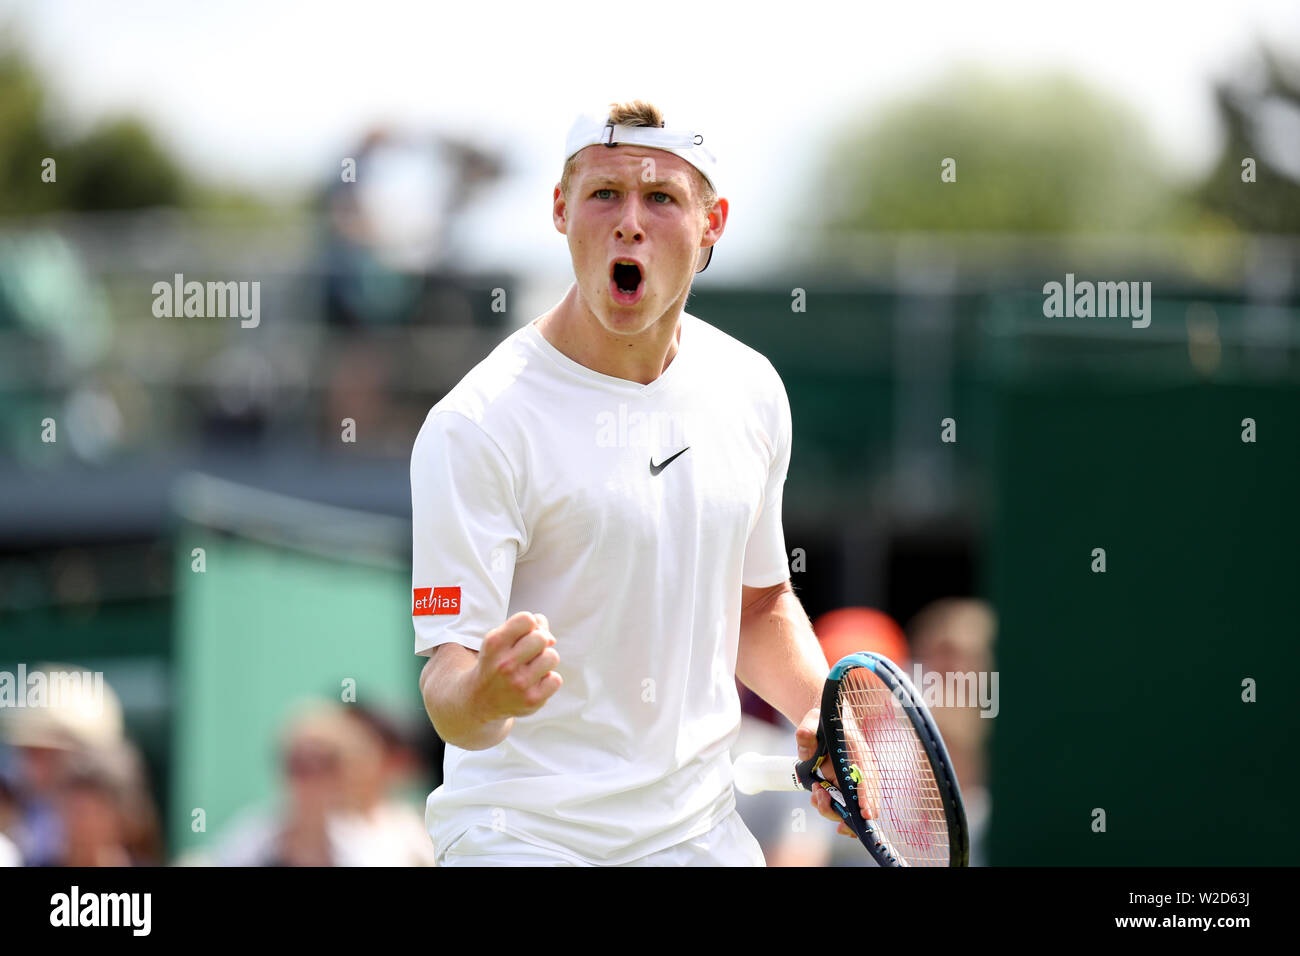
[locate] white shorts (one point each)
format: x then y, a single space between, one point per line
728 844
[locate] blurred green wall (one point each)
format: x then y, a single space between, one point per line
1123 690
1119 691
296 600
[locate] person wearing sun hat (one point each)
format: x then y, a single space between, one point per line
75 713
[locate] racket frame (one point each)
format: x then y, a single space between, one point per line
830 745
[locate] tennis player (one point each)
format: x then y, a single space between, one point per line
598 550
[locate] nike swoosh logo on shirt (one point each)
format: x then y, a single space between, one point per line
655 469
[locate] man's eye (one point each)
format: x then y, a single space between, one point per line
598 192
665 195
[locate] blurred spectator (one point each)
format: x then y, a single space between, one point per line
9 855
10 813
385 830
363 285
785 825
395 217
851 630
83 719
107 815
956 636
317 746
339 766
10 810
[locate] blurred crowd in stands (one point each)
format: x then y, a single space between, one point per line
951 636
74 790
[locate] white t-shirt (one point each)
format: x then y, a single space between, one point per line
630 515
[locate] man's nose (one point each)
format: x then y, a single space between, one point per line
629 226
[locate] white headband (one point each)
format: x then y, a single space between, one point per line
595 129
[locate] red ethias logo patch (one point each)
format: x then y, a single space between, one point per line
436 601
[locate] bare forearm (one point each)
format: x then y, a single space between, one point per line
779 657
445 685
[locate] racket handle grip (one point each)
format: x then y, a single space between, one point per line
755 773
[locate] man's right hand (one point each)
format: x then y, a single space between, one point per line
514 674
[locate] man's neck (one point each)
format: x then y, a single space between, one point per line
572 328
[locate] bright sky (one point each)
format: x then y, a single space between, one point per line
271 95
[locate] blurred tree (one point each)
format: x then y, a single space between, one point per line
120 165
24 138
1047 156
1260 111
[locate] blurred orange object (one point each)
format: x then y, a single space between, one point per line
849 630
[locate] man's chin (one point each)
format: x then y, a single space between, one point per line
625 320
628 319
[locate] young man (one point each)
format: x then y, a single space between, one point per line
598 549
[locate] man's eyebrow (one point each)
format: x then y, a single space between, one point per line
613 181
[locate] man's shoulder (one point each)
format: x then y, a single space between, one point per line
723 350
495 382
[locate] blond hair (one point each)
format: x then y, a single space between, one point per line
641 113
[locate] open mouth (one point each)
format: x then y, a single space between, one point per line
626 280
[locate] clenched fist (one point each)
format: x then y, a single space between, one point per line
514 674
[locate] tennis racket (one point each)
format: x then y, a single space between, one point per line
888 758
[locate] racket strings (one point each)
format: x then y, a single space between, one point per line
897 780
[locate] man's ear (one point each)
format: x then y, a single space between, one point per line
715 220
560 211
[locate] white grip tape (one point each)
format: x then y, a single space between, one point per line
756 773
